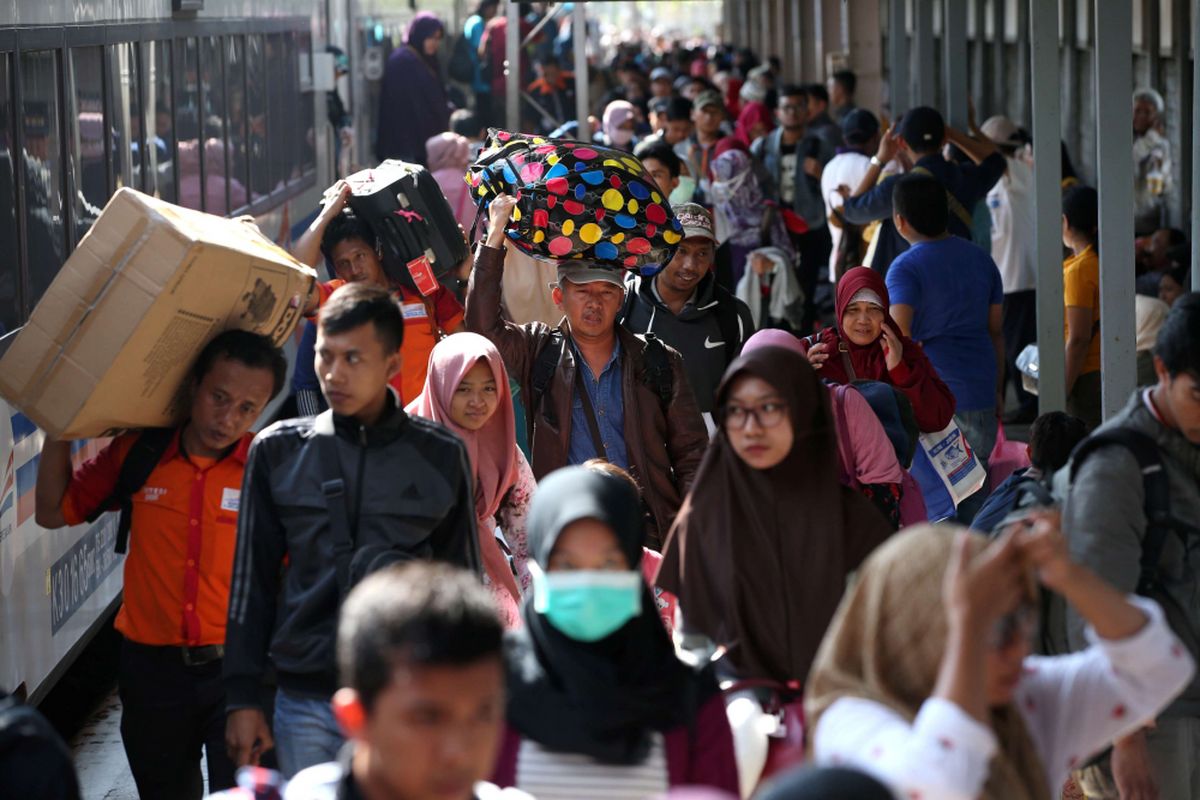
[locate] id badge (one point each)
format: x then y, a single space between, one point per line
422 275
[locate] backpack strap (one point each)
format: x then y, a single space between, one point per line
333 487
659 374
1157 506
544 367
956 207
140 461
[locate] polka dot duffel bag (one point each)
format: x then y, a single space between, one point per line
577 200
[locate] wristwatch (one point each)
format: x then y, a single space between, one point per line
875 162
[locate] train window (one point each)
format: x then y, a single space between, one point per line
256 114
85 136
161 157
128 124
188 119
235 95
212 78
10 297
308 145
45 233
280 101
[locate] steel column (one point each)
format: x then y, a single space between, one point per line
1114 145
926 77
899 63
999 67
1047 176
954 62
512 75
1195 209
579 36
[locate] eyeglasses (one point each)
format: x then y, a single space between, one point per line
766 415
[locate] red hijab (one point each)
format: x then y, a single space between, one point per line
752 114
868 360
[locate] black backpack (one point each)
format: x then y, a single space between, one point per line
141 460
462 67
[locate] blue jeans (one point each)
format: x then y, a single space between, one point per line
306 734
980 428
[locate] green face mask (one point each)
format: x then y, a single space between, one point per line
587 605
684 191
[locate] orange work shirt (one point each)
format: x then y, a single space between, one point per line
420 332
182 538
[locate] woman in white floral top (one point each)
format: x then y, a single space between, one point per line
466 389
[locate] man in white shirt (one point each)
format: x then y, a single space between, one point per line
1152 167
1010 202
860 137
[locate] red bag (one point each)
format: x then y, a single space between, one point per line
785 701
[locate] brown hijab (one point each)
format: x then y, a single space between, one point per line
759 558
886 645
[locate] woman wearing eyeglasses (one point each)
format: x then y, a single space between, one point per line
926 681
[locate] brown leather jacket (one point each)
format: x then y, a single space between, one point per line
664 444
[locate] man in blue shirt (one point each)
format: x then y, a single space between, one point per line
947 294
592 388
921 134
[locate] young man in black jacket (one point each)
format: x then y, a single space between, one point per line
326 500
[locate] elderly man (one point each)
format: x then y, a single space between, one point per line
592 388
1151 162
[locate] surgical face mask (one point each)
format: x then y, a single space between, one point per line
587 605
621 137
684 191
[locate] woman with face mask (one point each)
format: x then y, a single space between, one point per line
599 705
745 220
926 681
620 121
866 344
466 389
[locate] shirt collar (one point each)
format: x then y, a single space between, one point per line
654 288
238 453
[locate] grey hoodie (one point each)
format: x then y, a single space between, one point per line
1105 523
695 332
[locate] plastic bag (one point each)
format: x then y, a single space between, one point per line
954 462
1027 365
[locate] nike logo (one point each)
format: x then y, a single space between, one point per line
709 344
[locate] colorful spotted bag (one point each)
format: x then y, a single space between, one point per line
577 200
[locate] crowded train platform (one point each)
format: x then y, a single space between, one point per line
605 400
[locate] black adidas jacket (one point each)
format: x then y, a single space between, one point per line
409 487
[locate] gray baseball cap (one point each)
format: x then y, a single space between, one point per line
581 272
696 221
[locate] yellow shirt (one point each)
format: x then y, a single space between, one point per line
1081 289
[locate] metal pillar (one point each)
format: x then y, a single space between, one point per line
999 67
980 87
512 75
954 63
926 78
1047 176
1114 145
899 67
1195 209
579 38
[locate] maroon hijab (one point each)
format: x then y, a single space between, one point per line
868 360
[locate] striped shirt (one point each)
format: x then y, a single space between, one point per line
569 776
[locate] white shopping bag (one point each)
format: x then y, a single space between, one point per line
954 461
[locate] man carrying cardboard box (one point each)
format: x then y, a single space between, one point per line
183 524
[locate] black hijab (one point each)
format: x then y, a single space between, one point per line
601 699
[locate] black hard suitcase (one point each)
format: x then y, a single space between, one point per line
406 209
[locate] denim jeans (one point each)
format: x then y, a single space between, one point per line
980 428
306 734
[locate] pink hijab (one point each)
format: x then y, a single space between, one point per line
491 449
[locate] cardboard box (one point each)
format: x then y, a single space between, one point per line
110 344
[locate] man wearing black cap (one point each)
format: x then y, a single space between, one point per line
592 388
922 132
793 157
860 136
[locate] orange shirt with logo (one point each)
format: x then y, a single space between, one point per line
182 539
420 333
